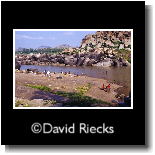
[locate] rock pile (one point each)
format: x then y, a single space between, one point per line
104 48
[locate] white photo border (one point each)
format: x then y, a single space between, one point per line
14 30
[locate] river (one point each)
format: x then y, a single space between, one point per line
119 75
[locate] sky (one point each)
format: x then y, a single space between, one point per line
34 39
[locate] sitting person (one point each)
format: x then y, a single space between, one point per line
107 89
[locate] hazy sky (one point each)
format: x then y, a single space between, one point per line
34 39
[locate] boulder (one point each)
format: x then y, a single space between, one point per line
17 65
53 56
105 63
99 56
80 61
117 63
67 60
121 46
125 63
77 55
60 60
75 61
95 56
53 60
44 58
91 62
82 54
33 58
86 61
72 62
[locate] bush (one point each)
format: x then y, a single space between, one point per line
126 54
117 42
40 87
83 89
49 102
18 102
21 103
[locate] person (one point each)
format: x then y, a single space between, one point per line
45 72
108 88
48 73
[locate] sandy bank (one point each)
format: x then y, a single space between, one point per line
68 83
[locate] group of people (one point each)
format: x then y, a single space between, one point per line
48 73
65 73
106 88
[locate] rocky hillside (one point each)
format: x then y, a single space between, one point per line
104 48
108 39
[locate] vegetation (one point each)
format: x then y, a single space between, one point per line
77 99
26 105
18 102
125 54
21 103
49 102
40 87
35 51
129 46
117 42
83 89
66 53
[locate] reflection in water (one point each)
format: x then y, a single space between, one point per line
120 75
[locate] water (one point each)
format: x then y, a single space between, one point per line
120 75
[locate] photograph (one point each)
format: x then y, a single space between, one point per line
75 77
72 68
